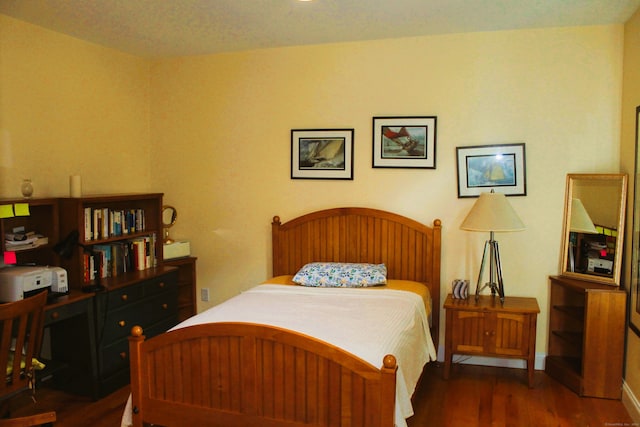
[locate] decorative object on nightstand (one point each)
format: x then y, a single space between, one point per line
460 288
493 213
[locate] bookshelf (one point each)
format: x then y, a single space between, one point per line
101 226
42 218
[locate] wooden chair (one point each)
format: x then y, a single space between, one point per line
21 324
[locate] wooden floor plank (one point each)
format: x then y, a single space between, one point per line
474 396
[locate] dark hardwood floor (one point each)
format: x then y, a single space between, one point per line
473 396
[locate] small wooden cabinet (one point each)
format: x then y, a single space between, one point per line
487 327
187 302
586 337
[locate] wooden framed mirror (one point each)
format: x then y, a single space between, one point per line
593 228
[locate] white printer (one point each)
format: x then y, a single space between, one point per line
22 281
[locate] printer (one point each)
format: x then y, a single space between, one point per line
18 282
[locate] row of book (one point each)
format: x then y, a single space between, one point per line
114 259
103 223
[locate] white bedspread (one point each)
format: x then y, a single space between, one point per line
367 323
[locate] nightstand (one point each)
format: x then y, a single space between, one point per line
488 328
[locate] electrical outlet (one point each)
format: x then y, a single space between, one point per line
204 294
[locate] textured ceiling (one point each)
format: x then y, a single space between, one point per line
161 28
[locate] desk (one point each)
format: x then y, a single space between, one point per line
71 323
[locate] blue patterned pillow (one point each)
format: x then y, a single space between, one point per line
341 275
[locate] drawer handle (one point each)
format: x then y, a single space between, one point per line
122 323
55 315
165 306
123 355
161 284
124 297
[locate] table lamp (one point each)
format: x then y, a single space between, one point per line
493 213
580 223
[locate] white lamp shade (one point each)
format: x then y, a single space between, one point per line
492 212
580 220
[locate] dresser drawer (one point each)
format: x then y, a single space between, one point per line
118 323
161 307
161 284
124 297
114 357
66 311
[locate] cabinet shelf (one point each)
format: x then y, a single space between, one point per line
573 338
576 312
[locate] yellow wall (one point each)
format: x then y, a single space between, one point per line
630 100
221 133
213 133
70 107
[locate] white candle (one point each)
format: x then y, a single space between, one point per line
75 186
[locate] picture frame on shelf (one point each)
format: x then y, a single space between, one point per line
498 167
405 142
322 154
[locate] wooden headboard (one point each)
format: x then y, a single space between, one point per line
409 249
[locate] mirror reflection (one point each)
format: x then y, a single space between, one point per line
594 227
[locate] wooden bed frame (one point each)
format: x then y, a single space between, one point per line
233 375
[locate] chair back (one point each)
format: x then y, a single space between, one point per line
21 324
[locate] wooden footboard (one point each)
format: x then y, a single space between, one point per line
236 374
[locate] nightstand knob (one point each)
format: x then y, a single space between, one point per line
123 355
165 306
124 297
55 315
122 323
161 284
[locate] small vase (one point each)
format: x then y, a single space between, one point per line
26 188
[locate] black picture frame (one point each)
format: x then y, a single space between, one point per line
498 167
322 154
405 142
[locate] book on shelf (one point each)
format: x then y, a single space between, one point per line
105 223
114 259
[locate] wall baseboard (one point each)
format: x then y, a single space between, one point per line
630 403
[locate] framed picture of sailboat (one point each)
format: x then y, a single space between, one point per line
483 168
404 142
322 154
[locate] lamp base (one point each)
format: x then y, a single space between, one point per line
495 270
